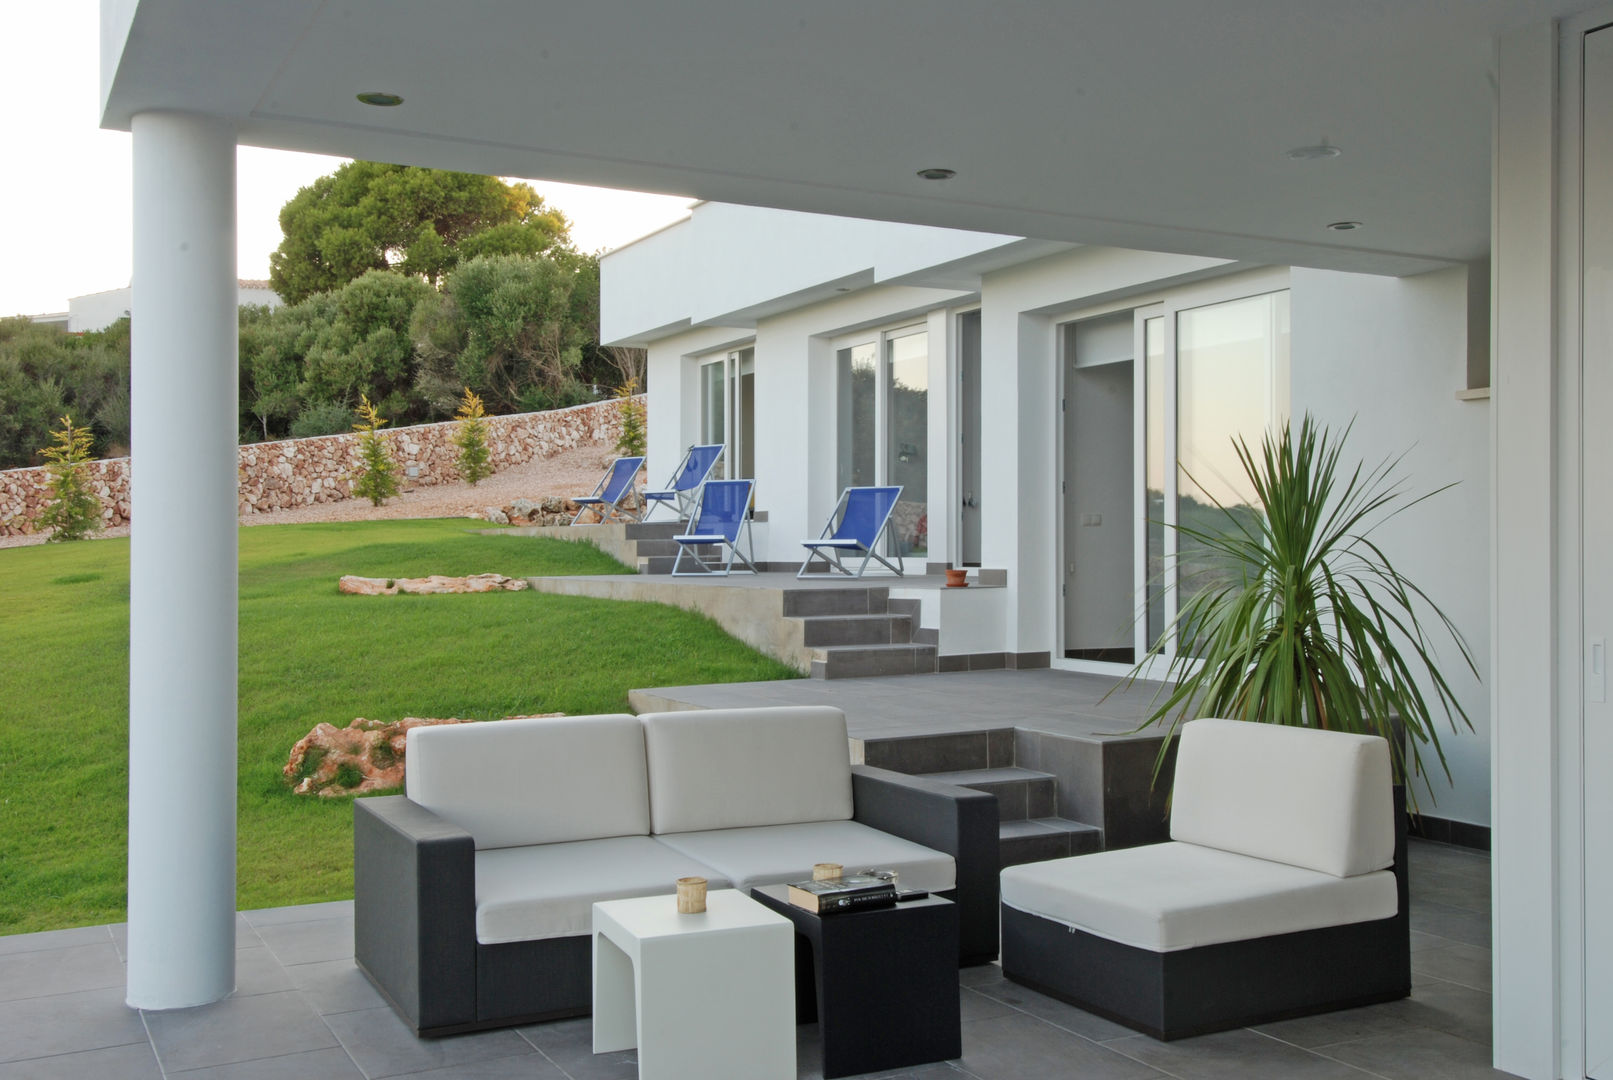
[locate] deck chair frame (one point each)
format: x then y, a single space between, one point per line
682 491
829 547
700 534
602 502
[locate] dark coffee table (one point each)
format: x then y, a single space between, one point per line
882 984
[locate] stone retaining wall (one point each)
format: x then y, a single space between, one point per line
300 472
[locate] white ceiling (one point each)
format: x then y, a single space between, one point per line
1157 124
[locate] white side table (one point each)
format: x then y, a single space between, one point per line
709 995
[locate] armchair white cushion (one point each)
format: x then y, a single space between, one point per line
1171 896
1317 799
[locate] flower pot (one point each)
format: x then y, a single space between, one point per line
957 579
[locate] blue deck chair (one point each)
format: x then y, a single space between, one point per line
720 516
684 487
860 518
613 487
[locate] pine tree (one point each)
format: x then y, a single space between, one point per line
472 439
377 478
74 511
631 442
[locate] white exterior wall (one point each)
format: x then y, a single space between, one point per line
1020 308
727 260
97 311
1389 354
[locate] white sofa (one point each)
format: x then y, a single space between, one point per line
1281 892
474 891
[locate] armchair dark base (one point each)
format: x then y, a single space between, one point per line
1174 995
510 992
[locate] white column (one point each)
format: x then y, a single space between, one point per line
182 565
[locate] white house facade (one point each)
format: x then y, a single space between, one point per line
1466 128
1029 398
97 311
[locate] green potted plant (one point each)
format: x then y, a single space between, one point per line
1308 622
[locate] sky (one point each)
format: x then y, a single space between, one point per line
65 183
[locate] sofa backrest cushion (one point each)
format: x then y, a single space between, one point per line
732 768
543 780
1318 799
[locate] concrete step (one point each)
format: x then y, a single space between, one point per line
1040 839
664 529
862 661
938 752
1021 793
656 547
662 564
852 600
857 630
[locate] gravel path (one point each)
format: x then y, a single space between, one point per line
572 472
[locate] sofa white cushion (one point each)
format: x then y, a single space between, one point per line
549 890
1171 896
533 781
773 854
731 768
1317 799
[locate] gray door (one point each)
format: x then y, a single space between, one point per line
1598 541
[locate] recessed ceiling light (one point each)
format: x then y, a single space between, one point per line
377 97
1320 152
1344 226
937 174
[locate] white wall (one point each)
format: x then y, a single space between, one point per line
97 311
1018 411
727 261
1390 354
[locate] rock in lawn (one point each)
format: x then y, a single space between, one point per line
496 516
436 583
365 756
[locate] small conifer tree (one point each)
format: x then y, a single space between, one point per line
74 511
631 442
471 439
377 478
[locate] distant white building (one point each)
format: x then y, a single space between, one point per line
97 311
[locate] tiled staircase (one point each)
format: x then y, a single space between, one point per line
858 630
1030 826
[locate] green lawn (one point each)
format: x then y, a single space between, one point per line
307 654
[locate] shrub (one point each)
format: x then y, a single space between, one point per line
472 440
378 475
631 442
322 418
74 511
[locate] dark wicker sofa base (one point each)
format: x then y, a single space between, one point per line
414 884
1173 995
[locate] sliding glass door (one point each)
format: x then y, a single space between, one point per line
727 410
1214 369
882 425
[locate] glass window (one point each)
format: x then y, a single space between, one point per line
1154 474
1231 384
713 426
857 387
907 449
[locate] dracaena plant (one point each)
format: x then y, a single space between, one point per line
1306 621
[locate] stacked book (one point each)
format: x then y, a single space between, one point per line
853 892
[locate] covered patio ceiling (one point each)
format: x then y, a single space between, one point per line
1154 124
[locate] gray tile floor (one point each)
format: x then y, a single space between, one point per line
302 1010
